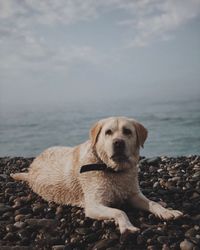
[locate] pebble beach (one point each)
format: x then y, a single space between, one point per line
29 222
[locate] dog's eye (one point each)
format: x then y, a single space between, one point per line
127 131
108 132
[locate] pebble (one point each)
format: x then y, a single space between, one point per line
92 237
163 239
10 237
96 225
58 247
186 245
10 228
17 204
104 244
190 233
196 176
165 247
7 215
152 247
10 184
83 231
20 224
4 208
148 232
3 177
29 222
153 161
43 223
19 217
37 208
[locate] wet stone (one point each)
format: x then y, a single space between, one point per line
152 247
58 247
163 239
10 184
186 245
19 217
59 210
141 240
196 176
83 231
92 237
17 204
4 208
23 210
43 223
7 215
10 237
10 228
104 244
23 233
37 208
148 232
172 181
190 233
153 161
3 177
19 224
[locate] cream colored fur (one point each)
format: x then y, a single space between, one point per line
55 174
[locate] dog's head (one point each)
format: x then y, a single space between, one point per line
117 141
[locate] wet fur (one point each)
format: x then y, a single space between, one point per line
55 175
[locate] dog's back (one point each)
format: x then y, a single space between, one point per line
51 175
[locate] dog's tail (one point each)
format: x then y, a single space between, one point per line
20 176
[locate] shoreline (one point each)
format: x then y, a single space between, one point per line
29 222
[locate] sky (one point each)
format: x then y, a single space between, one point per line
77 50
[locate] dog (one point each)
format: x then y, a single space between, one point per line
58 173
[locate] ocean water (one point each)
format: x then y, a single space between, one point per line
174 127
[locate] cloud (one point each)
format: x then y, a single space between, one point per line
22 47
154 20
145 21
47 12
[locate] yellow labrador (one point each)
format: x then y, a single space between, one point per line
114 143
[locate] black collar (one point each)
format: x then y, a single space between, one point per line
98 167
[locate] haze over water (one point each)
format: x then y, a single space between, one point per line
173 127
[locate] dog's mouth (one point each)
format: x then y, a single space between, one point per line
119 158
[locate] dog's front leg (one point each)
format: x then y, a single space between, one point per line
140 201
101 212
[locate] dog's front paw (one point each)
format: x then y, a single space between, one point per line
129 230
126 231
172 214
164 213
167 214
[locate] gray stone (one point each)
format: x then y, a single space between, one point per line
10 228
10 237
58 247
104 244
83 230
20 224
43 223
19 217
153 161
186 245
4 208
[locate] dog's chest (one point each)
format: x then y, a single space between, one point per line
116 189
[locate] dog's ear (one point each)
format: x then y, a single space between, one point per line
141 132
94 132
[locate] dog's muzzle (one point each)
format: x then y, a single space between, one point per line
119 151
118 145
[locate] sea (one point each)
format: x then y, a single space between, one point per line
173 127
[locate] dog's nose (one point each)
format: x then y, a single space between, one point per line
119 144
